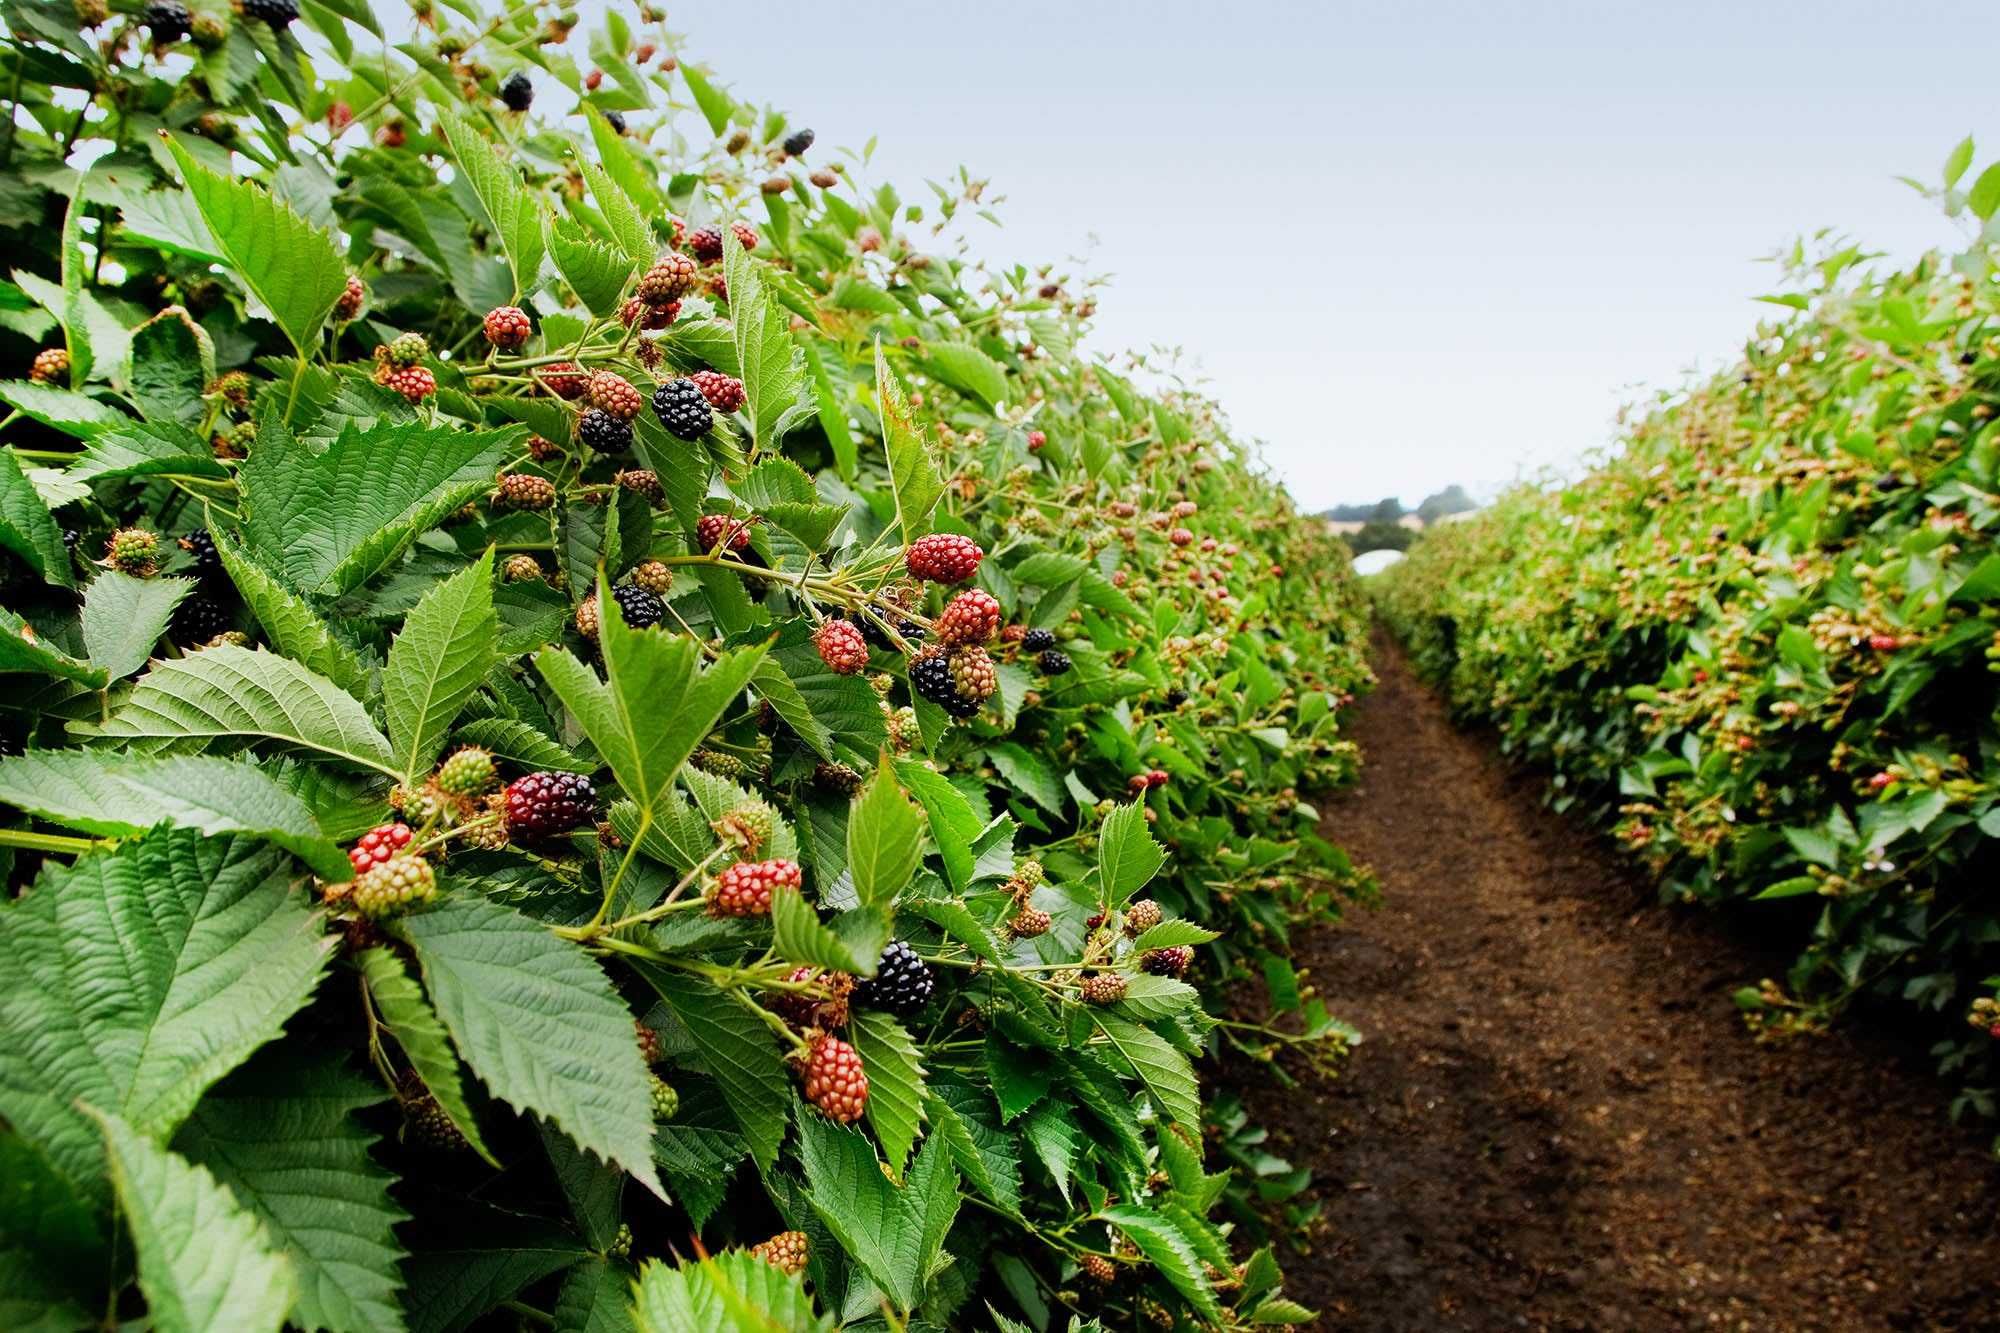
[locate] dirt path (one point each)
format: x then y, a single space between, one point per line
1557 1121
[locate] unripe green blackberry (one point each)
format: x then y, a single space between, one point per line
655 576
749 827
1142 916
467 773
719 762
396 884
1030 922
621 1244
666 1100
521 569
1029 873
1104 988
407 349
525 490
133 551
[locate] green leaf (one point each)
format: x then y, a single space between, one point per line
281 1136
771 366
76 337
874 1221
969 370
536 1018
912 474
1052 1131
118 796
443 651
123 617
1984 196
1127 856
486 1256
596 1297
52 1246
291 624
984 1153
293 267
1028 774
895 1083
138 449
596 270
1163 1069
628 225
409 1019
331 521
515 740
1957 161
65 410
26 526
716 106
737 1049
832 414
954 827
1169 1251
136 978
172 362
514 210
734 1291
21 649
799 936
1169 934
885 838
205 1262
1149 997
251 695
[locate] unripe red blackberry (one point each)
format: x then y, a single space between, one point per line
902 983
601 431
649 1042
1036 440
542 449
544 805
507 326
930 677
972 671
521 569
592 80
723 392
1103 988
133 551
749 827
1157 777
394 885
1053 662
841 647
788 1251
712 529
564 379
835 1081
1030 922
943 557
525 490
683 409
836 777
377 845
51 364
705 243
670 278
972 617
413 382
1169 962
746 235
745 888
1097 1268
637 314
644 482
467 773
517 92
613 393
1180 537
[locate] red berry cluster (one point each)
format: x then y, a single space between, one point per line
1155 777
710 531
670 278
349 304
835 1081
377 845
1036 440
507 326
943 557
613 394
413 382
971 617
564 379
745 888
724 392
841 647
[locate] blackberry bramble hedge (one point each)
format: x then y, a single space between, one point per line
597 737
1760 640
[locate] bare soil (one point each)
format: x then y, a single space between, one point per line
1557 1120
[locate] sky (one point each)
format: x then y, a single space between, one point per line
1407 244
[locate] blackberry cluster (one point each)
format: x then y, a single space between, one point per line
199 619
525 490
670 278
277 13
1038 640
902 982
603 432
517 92
642 609
930 677
745 888
1103 988
787 1251
1168 962
545 805
167 20
682 409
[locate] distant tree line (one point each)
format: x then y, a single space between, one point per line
1382 531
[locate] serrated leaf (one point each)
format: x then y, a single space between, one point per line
1169 1251
332 520
1028 774
409 1019
123 617
537 1020
885 837
912 474
1149 997
716 106
734 1291
21 649
137 977
738 1051
769 361
249 695
205 1262
64 410
76 335
280 1135
291 624
1052 1132
485 1257
628 225
510 739
895 1083
593 1188
118 796
799 936
1020 1076
865 1212
443 651
513 209
293 267
26 526
139 449
52 1246
954 826
596 271
171 363
596 1297
1172 934
968 370
984 1153
1127 856
1164 1070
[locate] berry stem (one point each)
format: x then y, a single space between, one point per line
49 842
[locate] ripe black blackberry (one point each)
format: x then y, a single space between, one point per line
543 805
167 20
1038 640
875 634
200 546
1053 662
901 984
603 432
930 677
641 609
682 409
198 619
615 121
796 144
277 13
516 92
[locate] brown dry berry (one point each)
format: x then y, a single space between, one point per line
1142 916
564 379
943 557
351 297
1097 1268
670 278
775 184
507 326
1169 962
787 1251
655 576
824 179
521 569
841 647
1180 537
745 888
525 490
712 529
971 617
50 364
642 481
1030 922
836 777
1104 988
724 392
413 382
613 394
835 1080
972 671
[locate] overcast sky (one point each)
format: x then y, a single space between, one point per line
1409 243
